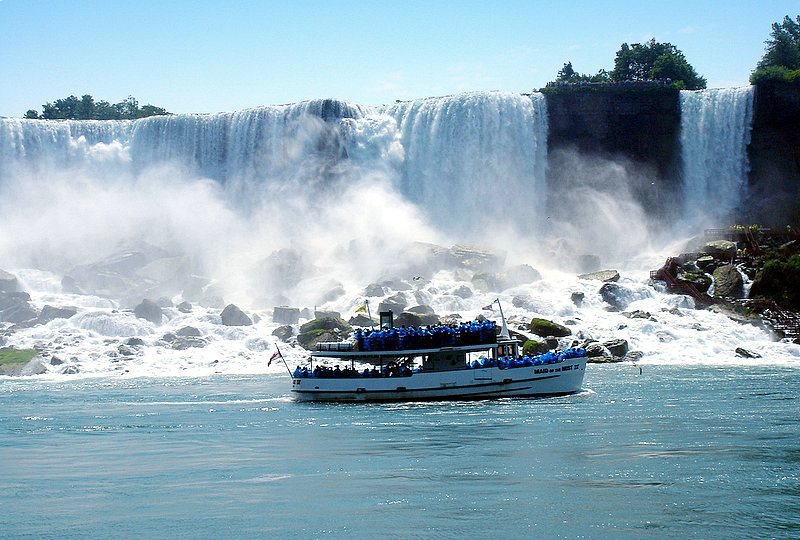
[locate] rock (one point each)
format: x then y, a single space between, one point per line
637 314
607 276
125 350
320 314
720 249
373 290
8 282
728 282
617 347
169 337
164 302
523 301
362 320
615 295
188 331
327 329
522 274
284 332
706 263
462 292
595 349
396 303
699 279
56 361
285 315
15 308
744 353
188 342
233 316
490 281
534 347
551 342
396 284
543 327
50 313
633 356
70 370
149 311
134 342
184 307
577 298
417 316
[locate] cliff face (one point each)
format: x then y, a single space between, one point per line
641 127
774 151
636 126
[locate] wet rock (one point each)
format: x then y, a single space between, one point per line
523 301
188 342
720 249
617 347
633 356
698 278
148 310
50 313
396 303
70 370
491 281
322 314
637 314
706 263
15 308
169 337
522 274
8 282
55 361
373 290
184 307
744 353
728 282
417 316
362 320
125 350
233 316
284 332
326 329
285 315
134 342
577 298
607 276
463 291
188 331
615 295
543 327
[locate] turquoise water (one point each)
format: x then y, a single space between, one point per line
705 452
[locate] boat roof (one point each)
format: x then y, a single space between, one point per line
344 349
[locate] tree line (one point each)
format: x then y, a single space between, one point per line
654 61
86 108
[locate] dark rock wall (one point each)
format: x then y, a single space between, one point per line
641 129
774 151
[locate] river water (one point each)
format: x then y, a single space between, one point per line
675 451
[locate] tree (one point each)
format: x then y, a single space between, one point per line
86 108
783 49
32 115
652 61
567 74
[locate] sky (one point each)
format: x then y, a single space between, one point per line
200 56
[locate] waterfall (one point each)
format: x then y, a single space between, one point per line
715 132
474 155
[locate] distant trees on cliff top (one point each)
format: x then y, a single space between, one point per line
651 61
86 108
781 60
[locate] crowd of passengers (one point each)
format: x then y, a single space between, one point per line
426 337
393 369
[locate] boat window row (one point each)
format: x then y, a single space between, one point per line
426 337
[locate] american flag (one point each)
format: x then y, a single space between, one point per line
276 354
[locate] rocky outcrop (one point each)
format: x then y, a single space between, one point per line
50 313
233 316
728 282
15 308
606 276
324 329
545 328
149 311
8 282
417 316
396 303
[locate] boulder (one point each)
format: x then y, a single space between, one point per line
188 342
491 281
532 346
744 353
699 279
544 328
8 282
523 301
417 316
149 311
577 298
617 347
188 331
362 320
324 314
373 290
134 342
50 313
284 332
325 329
637 314
606 276
615 295
15 308
285 315
184 307
720 249
462 291
233 316
728 282
396 303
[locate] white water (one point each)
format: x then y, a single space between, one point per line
305 205
715 132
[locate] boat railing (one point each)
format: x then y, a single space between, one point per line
335 346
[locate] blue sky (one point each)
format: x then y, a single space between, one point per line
210 56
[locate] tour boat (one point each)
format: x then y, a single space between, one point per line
464 361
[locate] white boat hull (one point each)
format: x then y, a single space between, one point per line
482 383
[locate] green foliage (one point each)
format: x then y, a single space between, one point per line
652 61
86 108
783 47
543 327
11 356
567 74
770 74
534 347
779 280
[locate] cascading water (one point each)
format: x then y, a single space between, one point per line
715 132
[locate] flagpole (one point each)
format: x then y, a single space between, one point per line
284 361
504 329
